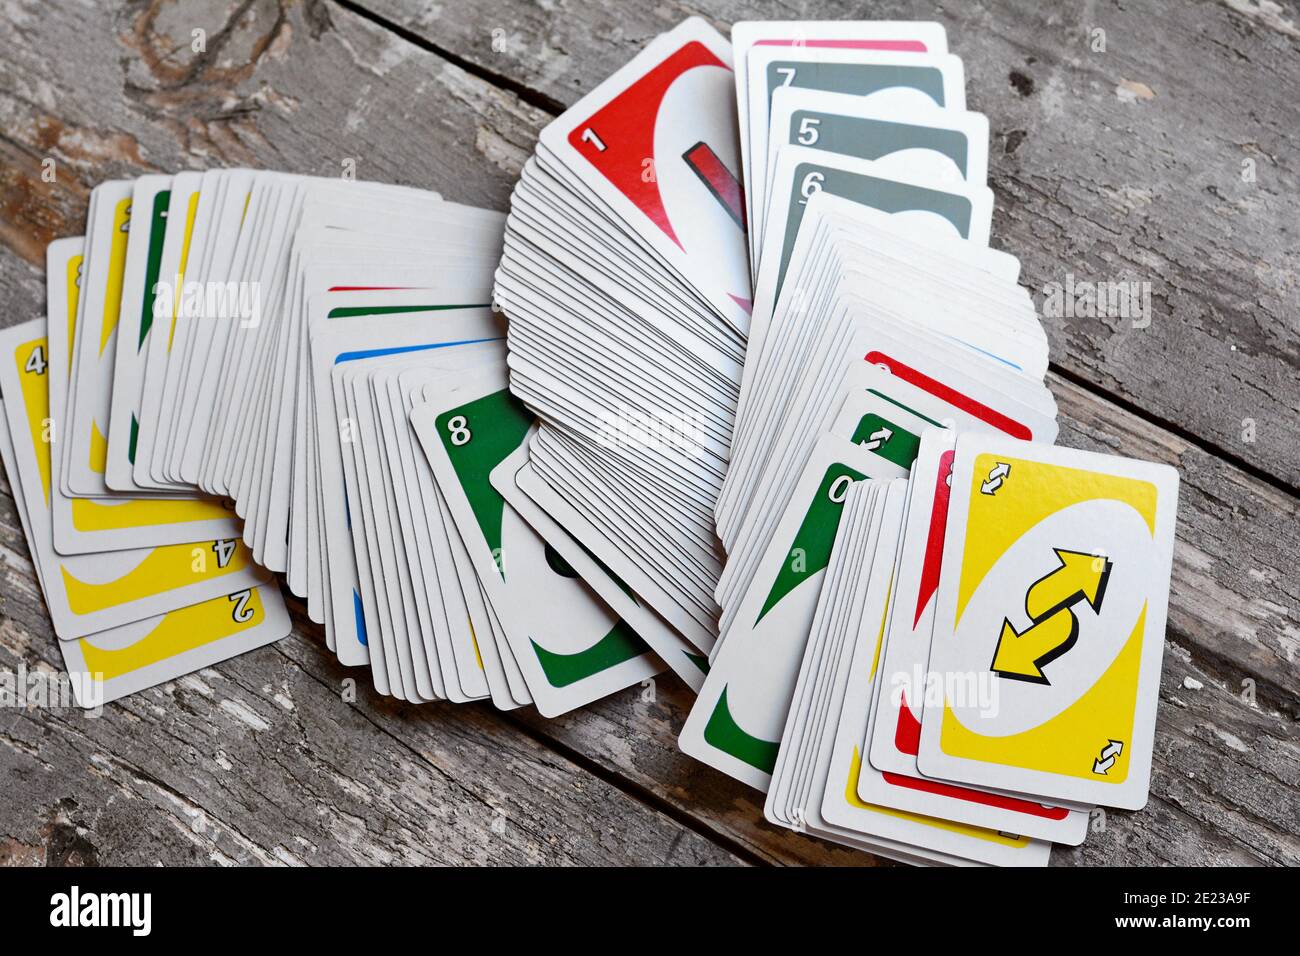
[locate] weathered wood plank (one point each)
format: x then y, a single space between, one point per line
261 762
325 86
1227 765
1117 166
293 86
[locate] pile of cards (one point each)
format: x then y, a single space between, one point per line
466 591
879 309
791 441
634 258
883 327
141 590
955 667
870 220
319 359
627 288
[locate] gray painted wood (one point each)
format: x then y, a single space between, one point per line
260 760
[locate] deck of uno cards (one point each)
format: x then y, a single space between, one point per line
737 389
886 339
141 589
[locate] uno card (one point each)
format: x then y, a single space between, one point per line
149 206
657 141
736 722
448 336
899 36
90 356
571 647
800 172
1054 589
87 525
683 659
87 593
839 802
936 145
896 728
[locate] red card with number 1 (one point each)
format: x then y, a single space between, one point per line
657 142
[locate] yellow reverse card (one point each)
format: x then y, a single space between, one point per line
1050 622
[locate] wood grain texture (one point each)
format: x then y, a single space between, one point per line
259 760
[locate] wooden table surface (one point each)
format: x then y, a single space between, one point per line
1169 156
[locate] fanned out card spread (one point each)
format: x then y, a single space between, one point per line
736 390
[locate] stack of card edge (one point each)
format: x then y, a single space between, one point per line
626 286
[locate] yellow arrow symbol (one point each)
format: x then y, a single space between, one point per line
1080 577
1023 655
1049 602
